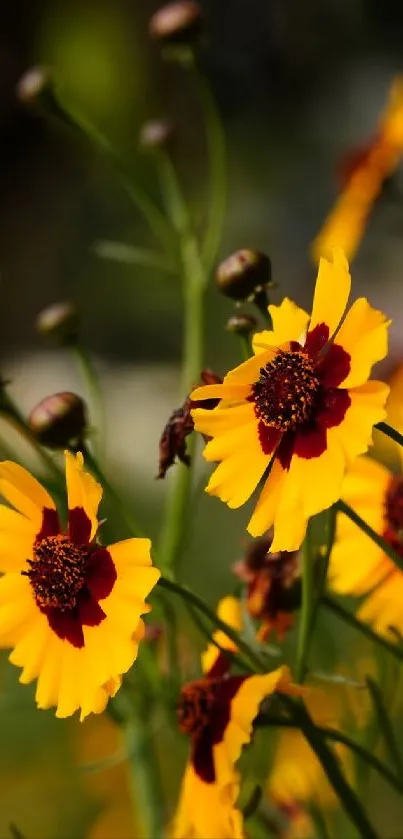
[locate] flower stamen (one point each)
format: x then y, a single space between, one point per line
57 572
286 390
196 702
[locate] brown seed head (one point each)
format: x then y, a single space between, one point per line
241 324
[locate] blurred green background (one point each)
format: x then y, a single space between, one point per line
298 85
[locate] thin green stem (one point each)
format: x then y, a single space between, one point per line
153 216
125 513
91 380
194 282
246 347
261 301
323 565
218 173
331 767
350 619
144 776
337 736
390 432
307 604
192 598
231 656
13 415
385 725
397 560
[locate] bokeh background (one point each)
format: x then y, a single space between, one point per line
298 85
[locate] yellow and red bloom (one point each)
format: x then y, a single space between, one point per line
358 566
217 714
299 411
273 587
69 607
365 174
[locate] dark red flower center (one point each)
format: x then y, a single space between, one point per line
196 703
393 532
69 575
57 572
285 393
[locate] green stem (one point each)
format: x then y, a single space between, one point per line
332 606
390 432
261 301
13 415
307 604
91 379
331 767
337 737
246 347
397 560
385 725
155 219
125 513
144 776
231 656
131 255
194 282
218 174
192 598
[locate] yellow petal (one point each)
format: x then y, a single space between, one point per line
237 476
289 324
367 408
29 653
364 335
17 536
235 391
264 513
332 291
249 371
17 607
82 489
319 479
290 522
220 420
383 608
206 811
229 610
24 492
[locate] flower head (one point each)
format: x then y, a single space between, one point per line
217 715
299 411
365 175
358 566
273 586
69 607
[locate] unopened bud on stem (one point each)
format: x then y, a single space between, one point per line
242 325
243 274
59 421
177 23
59 323
156 135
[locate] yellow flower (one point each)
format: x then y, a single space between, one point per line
357 565
297 778
217 714
345 225
301 405
214 661
69 607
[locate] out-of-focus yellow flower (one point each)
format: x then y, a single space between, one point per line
69 607
214 661
358 566
345 224
302 405
297 779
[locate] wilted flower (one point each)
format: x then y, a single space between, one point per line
299 411
172 443
69 607
273 586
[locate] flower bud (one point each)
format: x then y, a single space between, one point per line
59 420
33 85
156 134
241 324
177 23
243 274
60 323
